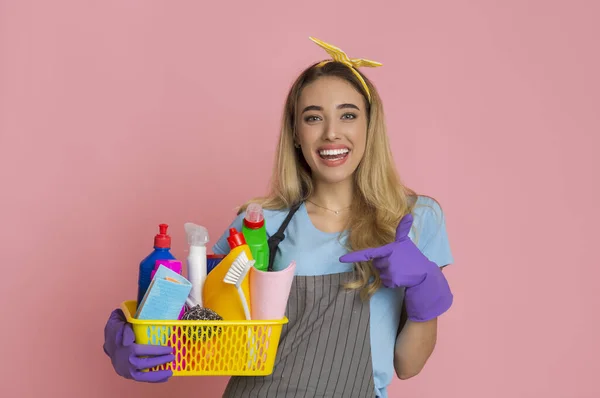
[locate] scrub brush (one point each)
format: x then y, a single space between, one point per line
235 276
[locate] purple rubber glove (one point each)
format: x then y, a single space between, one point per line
401 264
127 356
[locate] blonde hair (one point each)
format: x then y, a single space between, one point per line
380 199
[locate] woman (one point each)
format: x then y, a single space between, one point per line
363 243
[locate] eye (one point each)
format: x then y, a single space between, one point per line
348 116
312 118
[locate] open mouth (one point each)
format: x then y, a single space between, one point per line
334 154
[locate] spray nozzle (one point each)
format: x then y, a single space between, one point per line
197 235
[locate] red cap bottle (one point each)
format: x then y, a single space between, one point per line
162 240
235 238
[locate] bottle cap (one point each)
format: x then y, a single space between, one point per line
235 238
254 218
162 240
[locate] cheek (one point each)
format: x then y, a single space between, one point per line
359 138
307 135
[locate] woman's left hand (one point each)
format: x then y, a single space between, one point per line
401 264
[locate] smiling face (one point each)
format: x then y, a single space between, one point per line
331 128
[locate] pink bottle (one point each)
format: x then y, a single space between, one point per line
174 265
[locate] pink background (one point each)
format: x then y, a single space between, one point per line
119 115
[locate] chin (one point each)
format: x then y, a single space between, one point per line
333 176
334 179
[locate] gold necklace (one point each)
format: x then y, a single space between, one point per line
336 212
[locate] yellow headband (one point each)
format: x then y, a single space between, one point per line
354 63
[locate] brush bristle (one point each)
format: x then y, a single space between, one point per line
232 275
237 269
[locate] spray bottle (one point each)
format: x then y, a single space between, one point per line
162 251
255 234
197 237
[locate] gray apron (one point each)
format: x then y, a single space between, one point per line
324 349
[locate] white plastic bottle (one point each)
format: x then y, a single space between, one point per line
197 237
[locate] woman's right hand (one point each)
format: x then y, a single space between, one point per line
402 264
129 358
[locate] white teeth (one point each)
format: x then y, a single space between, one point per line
331 152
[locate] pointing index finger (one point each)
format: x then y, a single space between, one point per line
366 254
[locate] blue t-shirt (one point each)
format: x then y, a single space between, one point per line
317 253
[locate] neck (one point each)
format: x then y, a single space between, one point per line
333 196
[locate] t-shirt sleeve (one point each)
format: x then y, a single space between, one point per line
221 246
431 231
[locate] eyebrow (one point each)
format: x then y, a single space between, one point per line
320 108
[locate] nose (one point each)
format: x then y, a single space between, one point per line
331 131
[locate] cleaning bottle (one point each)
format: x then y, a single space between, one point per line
219 296
197 236
162 251
255 234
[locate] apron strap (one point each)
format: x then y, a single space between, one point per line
276 238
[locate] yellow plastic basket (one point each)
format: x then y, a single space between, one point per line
211 348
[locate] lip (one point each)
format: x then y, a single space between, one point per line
333 146
333 163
